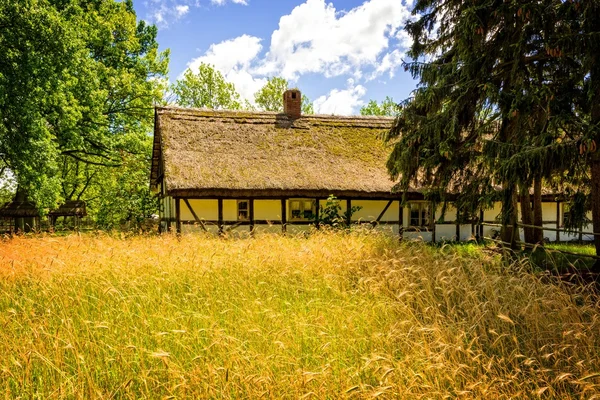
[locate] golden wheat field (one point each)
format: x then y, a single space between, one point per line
331 315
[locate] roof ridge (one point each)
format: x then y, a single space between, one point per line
208 112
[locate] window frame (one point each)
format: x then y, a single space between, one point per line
302 209
246 210
423 206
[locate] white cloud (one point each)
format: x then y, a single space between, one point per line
164 12
182 10
388 63
315 38
341 102
363 43
222 2
233 59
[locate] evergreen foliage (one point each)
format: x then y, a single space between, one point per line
500 103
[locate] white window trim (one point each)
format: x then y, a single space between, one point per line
422 205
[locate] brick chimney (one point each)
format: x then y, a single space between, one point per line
292 103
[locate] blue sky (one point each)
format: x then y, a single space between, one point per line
340 53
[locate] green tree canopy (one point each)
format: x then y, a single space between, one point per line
387 108
270 96
206 88
78 79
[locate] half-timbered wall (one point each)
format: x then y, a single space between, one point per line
266 216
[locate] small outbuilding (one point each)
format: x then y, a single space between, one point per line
19 216
72 211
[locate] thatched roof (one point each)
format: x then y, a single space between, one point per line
206 153
75 208
19 209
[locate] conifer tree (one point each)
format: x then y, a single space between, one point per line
577 45
486 114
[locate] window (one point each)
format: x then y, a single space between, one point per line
302 209
243 207
419 214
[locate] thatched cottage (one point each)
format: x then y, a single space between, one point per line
221 170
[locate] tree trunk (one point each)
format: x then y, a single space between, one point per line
508 234
527 215
538 218
595 172
595 160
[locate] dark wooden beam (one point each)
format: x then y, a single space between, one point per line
457 225
283 216
170 214
220 215
433 223
251 214
178 214
400 220
317 216
348 212
384 210
480 224
198 220
558 221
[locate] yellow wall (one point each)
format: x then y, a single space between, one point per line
230 210
449 215
270 210
204 209
372 208
492 213
549 211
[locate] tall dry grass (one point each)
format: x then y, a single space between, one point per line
328 316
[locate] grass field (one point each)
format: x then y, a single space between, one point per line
328 316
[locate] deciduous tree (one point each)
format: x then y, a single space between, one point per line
387 108
78 79
270 96
206 88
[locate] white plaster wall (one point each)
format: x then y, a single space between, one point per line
421 236
550 235
445 232
466 232
229 210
